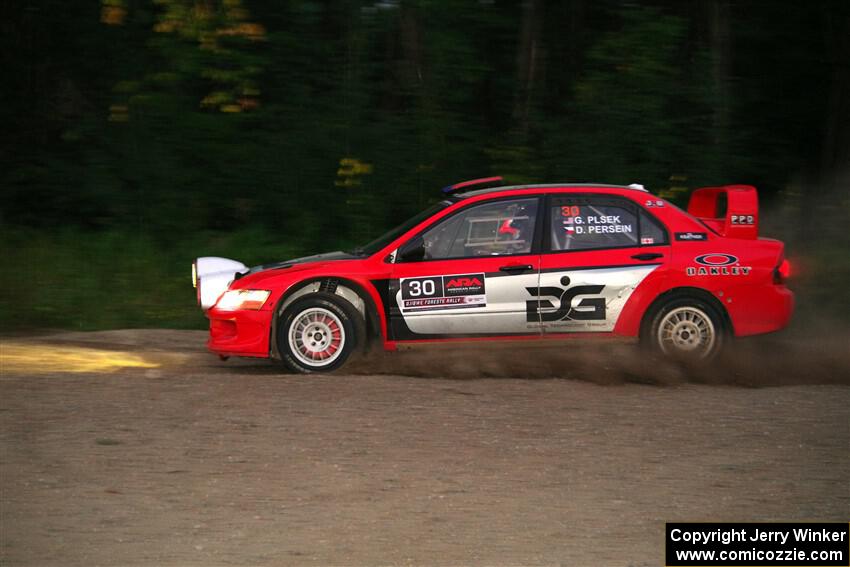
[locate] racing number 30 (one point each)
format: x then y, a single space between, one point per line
422 287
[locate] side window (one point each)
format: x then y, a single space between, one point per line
490 229
587 223
651 231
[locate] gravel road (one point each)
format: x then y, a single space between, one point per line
137 448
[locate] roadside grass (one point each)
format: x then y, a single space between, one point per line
74 279
83 280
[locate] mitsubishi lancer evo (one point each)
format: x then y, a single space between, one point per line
520 262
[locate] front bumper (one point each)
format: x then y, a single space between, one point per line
239 333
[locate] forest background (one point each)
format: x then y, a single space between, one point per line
139 134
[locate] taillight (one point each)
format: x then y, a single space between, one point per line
782 272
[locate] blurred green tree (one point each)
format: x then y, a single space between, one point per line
172 121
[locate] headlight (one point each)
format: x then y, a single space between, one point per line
195 274
242 299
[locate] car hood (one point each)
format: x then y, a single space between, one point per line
326 257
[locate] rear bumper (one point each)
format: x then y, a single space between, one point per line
239 333
762 310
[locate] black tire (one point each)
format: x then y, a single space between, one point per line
318 332
686 328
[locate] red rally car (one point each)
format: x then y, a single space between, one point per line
515 262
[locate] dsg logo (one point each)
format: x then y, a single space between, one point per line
716 259
588 309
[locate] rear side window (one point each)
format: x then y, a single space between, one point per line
579 224
651 231
595 222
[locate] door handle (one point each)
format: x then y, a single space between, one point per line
516 268
648 256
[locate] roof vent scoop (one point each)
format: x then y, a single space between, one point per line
471 183
637 186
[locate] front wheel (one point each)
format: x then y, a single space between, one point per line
318 333
687 328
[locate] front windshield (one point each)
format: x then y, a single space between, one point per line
388 237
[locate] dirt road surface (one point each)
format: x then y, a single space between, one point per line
138 448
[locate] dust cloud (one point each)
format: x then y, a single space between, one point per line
773 360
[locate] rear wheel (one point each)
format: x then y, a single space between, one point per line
687 328
318 332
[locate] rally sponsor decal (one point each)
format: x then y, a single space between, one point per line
585 300
463 304
467 285
691 236
584 309
745 220
433 293
716 259
718 264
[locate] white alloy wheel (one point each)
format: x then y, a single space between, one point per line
316 337
686 331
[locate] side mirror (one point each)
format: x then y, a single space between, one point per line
412 251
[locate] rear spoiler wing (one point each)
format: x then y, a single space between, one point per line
730 210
